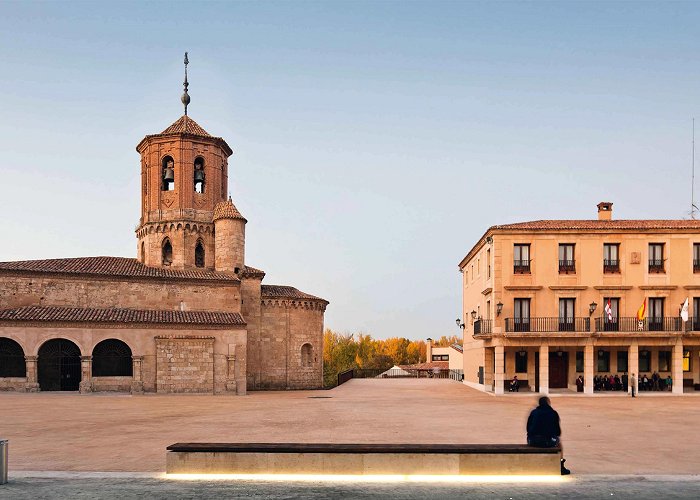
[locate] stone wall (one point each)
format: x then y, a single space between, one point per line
184 364
111 384
251 309
17 291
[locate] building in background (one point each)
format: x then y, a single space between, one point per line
452 355
552 300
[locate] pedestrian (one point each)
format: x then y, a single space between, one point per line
633 384
543 429
669 382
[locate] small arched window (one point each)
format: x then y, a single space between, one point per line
112 358
11 359
199 175
168 174
167 252
199 254
307 355
143 252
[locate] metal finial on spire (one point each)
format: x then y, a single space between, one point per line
186 96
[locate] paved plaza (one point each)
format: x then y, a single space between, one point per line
651 434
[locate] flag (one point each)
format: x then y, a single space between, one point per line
684 310
608 310
642 312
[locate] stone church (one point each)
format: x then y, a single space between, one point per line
186 316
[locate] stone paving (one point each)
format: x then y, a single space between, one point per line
102 432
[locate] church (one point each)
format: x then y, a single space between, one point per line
187 315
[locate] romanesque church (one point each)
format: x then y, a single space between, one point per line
188 315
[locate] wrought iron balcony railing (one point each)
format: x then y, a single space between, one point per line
483 326
544 325
567 266
634 325
611 266
521 266
656 266
696 266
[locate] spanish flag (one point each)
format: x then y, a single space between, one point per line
642 312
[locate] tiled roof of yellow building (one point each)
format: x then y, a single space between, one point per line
606 225
110 266
114 315
227 210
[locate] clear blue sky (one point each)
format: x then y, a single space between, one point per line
374 142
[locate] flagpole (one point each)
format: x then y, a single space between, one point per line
692 182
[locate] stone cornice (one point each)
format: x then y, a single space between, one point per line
658 287
125 326
294 303
613 287
523 288
568 287
487 291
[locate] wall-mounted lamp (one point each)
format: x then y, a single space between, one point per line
499 308
489 240
522 353
592 308
560 353
601 353
473 315
430 341
460 324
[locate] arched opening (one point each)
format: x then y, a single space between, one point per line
199 175
168 174
307 355
11 359
199 254
167 252
112 358
59 366
143 252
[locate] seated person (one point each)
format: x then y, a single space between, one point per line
543 429
514 384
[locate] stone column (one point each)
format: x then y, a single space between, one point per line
588 368
544 369
32 379
488 369
500 368
677 367
633 365
137 373
231 384
695 366
86 376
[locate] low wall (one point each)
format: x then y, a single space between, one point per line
111 384
13 384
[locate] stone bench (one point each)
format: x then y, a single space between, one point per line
361 459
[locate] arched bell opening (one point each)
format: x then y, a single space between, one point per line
199 254
167 252
168 174
199 175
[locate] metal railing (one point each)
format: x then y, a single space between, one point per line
544 325
656 265
407 372
696 266
567 266
611 266
521 266
634 325
483 326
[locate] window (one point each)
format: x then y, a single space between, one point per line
696 257
521 312
112 358
696 313
167 252
488 309
656 314
521 258
621 361
441 357
566 315
168 174
199 175
307 355
579 361
603 361
664 361
611 258
656 257
521 362
644 361
567 264
199 255
611 322
478 267
11 359
686 361
488 263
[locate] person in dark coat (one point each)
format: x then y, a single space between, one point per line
543 430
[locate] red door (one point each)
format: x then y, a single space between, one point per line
558 370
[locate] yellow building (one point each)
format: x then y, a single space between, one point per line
551 300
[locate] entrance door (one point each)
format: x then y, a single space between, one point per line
59 366
558 370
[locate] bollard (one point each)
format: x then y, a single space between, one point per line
3 461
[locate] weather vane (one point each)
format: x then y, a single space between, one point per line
186 96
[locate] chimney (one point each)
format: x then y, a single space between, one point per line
605 210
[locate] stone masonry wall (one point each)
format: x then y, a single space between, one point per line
17 291
184 365
251 311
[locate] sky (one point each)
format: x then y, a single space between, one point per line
374 142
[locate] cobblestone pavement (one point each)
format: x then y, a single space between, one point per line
124 488
601 434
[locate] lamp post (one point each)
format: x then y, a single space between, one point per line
499 308
591 308
460 324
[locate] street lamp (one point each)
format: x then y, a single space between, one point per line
473 315
592 308
460 324
499 308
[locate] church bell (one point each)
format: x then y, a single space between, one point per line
198 176
169 174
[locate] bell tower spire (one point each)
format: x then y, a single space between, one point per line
185 96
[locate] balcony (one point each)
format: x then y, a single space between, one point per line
483 327
656 266
521 266
611 266
696 266
634 325
545 325
567 266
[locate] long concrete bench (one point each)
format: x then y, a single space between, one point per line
361 459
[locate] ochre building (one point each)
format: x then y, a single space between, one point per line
188 315
550 301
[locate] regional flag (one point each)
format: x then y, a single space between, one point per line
608 310
684 310
642 312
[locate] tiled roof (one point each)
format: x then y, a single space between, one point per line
227 210
185 125
86 315
251 272
110 266
430 365
286 292
457 347
603 225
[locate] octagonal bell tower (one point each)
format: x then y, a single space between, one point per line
184 175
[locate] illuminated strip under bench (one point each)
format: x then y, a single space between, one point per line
361 459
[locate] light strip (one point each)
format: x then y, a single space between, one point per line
368 478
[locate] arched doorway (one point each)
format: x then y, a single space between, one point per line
59 366
11 359
111 358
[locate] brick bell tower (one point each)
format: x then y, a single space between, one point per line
184 175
